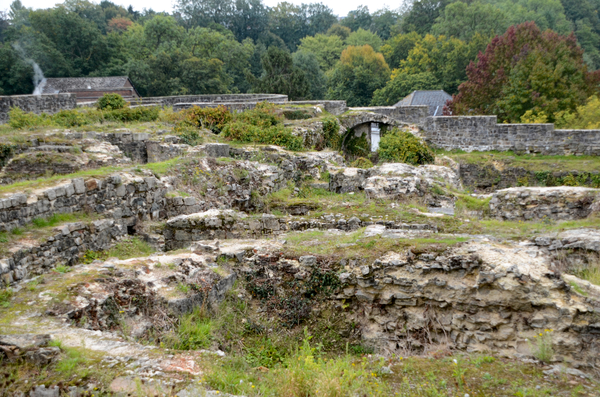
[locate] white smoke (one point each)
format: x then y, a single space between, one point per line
39 81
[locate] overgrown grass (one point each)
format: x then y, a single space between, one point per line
56 219
130 248
307 371
5 296
193 332
162 168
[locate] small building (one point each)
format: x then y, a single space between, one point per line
89 89
436 100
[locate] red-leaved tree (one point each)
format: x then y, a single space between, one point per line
523 70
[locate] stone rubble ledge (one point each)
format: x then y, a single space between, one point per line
183 230
538 203
392 180
585 239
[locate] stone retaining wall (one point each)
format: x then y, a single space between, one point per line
48 103
183 230
70 241
124 196
483 133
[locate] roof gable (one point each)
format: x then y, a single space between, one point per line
434 99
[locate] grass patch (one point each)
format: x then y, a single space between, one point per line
530 162
130 248
193 332
467 202
307 371
25 186
352 245
5 296
162 168
55 220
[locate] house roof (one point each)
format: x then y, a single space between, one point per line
70 84
434 99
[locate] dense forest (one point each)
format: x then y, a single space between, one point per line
307 52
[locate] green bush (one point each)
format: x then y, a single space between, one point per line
331 129
296 114
362 162
76 117
20 119
212 118
79 117
111 102
263 115
127 115
274 135
404 147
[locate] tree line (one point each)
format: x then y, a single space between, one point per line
307 52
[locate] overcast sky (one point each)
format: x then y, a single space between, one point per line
339 7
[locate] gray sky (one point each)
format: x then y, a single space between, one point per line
339 7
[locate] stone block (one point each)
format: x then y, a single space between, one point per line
69 190
216 149
91 184
79 185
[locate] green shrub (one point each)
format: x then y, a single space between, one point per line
404 147
274 135
212 118
5 296
193 332
77 117
20 119
331 129
358 146
362 162
111 101
296 114
126 115
263 115
191 137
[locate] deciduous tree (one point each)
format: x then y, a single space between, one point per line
523 70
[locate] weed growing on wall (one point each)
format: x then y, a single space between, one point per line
541 346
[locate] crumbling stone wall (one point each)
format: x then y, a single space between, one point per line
65 246
123 196
483 133
47 103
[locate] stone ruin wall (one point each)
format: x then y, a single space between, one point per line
470 133
47 103
483 133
